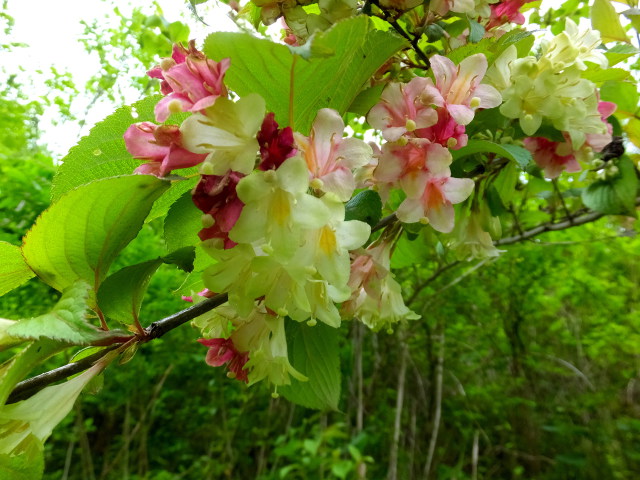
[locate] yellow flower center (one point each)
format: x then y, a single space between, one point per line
328 243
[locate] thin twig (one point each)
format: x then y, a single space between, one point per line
552 227
31 386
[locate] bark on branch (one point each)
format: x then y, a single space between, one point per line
31 386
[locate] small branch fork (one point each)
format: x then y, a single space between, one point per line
31 386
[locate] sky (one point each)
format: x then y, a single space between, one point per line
52 30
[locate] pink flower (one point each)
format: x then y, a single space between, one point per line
552 157
597 141
507 11
276 145
432 195
405 107
216 196
331 158
398 162
446 131
161 147
460 86
222 351
190 81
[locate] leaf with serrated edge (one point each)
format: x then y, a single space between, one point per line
102 153
14 271
79 236
264 67
66 322
314 352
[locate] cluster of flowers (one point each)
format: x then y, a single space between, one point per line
551 89
300 23
273 217
420 121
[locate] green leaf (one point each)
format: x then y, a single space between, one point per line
366 206
66 322
623 94
314 352
366 99
27 463
476 31
599 75
79 236
605 19
120 296
618 53
14 271
615 195
177 189
520 155
408 252
264 67
505 183
183 258
102 153
182 223
492 49
496 206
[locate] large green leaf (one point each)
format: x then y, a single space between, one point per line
264 67
120 296
605 18
102 153
623 94
66 322
14 271
182 223
79 236
615 195
520 155
313 351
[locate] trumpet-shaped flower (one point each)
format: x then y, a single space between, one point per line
276 144
161 147
278 206
432 197
264 337
222 351
460 86
506 11
573 47
227 134
376 298
191 81
405 107
552 157
398 162
216 197
471 240
330 158
445 131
